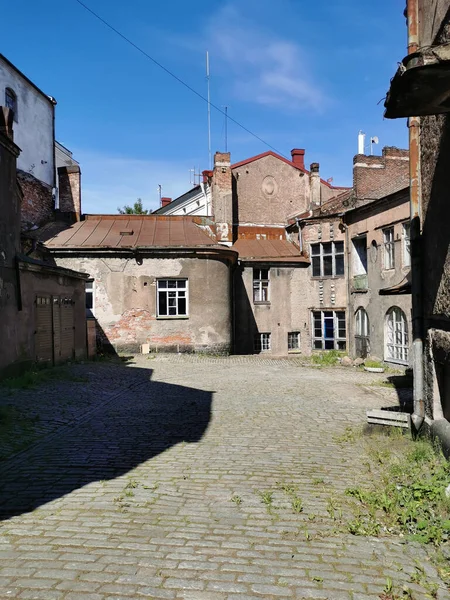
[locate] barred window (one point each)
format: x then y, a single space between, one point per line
262 342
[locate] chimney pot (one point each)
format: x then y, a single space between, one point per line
298 157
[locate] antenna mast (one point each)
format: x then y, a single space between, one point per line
226 128
209 110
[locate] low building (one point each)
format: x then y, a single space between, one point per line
42 315
153 280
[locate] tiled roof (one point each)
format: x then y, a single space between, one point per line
132 231
268 250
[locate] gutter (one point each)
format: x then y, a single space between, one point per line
418 416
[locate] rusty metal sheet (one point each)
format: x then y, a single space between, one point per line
268 249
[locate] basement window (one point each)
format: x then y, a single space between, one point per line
293 341
262 342
172 298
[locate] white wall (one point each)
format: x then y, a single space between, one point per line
199 205
33 131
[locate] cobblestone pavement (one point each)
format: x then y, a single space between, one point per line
173 477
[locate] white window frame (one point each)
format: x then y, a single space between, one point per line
388 247
406 244
321 254
294 336
262 342
261 286
361 322
172 291
396 338
339 341
91 283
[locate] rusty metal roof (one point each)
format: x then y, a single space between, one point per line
268 250
132 231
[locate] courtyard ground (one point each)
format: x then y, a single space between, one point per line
197 478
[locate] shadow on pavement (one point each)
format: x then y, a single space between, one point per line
148 418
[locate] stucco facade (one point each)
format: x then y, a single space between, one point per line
125 300
33 123
369 273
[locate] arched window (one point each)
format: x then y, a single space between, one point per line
396 336
11 102
362 323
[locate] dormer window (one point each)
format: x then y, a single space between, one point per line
11 102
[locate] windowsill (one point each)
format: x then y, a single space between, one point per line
317 277
294 351
356 291
172 318
389 271
261 303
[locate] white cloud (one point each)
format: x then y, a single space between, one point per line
265 69
110 181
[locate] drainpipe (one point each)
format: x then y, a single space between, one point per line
300 237
418 415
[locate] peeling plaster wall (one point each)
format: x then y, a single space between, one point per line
286 311
370 223
125 303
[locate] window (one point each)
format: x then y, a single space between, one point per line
396 336
327 259
261 285
362 323
293 340
172 298
89 288
329 330
406 243
388 241
262 342
11 102
362 343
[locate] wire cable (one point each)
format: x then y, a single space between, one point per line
186 85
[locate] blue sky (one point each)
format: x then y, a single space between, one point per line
296 73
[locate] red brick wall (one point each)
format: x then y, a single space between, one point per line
37 203
69 183
378 176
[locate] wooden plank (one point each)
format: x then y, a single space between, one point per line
387 417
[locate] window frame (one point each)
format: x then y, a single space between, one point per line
258 342
9 92
406 244
321 254
297 337
262 284
388 248
339 341
160 289
361 319
396 350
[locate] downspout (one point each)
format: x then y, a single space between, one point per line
418 416
300 236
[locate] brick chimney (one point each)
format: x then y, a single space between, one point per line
165 201
222 197
314 185
378 176
298 157
69 186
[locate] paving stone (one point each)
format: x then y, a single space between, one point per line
126 491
